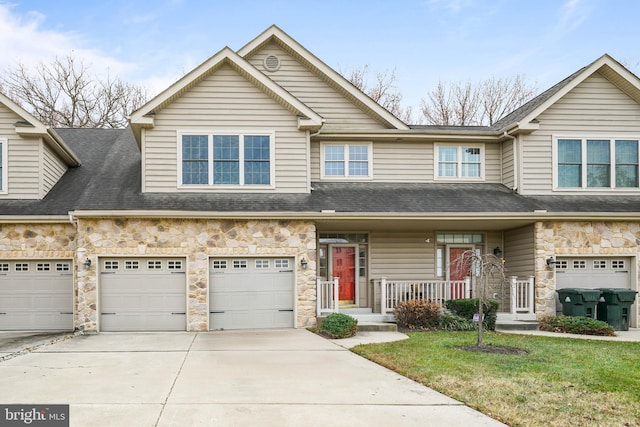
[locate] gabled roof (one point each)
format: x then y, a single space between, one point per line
612 70
29 126
282 39
144 116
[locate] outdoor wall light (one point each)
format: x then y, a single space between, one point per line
551 263
497 252
87 263
304 263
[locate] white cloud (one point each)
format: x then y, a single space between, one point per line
25 40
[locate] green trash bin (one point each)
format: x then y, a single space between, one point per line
579 301
614 307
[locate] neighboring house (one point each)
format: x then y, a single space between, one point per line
263 170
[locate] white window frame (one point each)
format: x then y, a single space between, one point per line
583 162
224 132
3 150
346 160
459 176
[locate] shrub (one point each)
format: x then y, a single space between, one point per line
449 322
338 325
576 325
417 313
468 307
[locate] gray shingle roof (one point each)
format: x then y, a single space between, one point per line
109 179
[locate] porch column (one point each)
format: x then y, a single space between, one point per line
383 295
319 296
514 294
336 293
531 290
467 287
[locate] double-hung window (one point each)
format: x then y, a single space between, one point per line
346 161
3 165
459 161
584 163
226 159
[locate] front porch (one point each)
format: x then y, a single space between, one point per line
520 297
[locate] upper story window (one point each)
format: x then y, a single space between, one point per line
346 161
3 165
597 163
459 161
226 159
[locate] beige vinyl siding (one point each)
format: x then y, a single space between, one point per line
519 251
401 256
52 169
325 100
408 161
22 159
594 107
225 101
508 171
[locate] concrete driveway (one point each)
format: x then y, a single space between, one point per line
228 378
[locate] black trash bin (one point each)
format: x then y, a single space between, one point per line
579 301
614 307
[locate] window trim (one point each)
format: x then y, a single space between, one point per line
459 177
612 138
4 187
209 133
346 160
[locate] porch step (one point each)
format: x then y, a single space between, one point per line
354 311
377 327
517 325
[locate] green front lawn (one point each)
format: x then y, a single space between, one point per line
560 382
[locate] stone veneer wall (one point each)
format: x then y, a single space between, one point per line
37 241
196 240
574 239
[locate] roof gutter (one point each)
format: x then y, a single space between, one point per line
331 214
40 219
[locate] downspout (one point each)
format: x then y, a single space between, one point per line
514 142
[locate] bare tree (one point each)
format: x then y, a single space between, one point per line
487 268
468 104
501 96
64 93
457 104
382 90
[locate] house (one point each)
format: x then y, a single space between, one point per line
238 194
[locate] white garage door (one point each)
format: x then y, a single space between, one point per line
251 293
142 294
36 295
591 273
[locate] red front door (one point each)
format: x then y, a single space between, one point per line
458 271
344 266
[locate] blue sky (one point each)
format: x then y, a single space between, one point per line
152 43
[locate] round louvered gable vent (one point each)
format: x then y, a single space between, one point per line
271 63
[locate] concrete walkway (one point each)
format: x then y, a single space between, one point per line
229 378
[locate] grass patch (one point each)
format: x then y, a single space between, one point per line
559 381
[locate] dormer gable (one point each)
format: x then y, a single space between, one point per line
33 157
144 116
274 36
524 119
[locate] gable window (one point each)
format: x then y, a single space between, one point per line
459 161
597 163
3 165
346 160
223 159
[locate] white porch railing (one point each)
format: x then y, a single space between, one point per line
327 296
522 297
393 292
